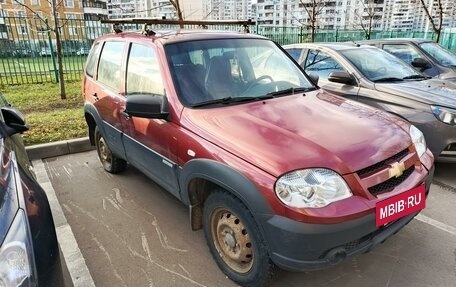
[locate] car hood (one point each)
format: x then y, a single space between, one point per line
432 91
299 131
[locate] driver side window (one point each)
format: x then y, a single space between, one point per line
403 51
321 64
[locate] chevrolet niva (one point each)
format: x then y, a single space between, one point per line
277 172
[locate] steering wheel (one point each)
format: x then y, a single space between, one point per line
258 80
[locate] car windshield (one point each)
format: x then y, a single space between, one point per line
380 66
226 71
440 54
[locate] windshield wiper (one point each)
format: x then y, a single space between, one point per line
288 91
388 79
231 100
414 77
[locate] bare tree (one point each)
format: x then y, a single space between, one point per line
370 15
55 28
434 13
314 8
176 6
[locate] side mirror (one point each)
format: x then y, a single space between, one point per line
314 78
421 63
147 106
14 120
341 77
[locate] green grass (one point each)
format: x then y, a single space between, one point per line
49 118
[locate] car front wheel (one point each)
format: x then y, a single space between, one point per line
110 162
235 241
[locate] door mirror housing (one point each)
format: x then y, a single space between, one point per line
314 78
421 63
14 121
341 77
147 106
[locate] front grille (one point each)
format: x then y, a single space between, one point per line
375 167
391 183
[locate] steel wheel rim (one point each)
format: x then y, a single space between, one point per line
232 240
103 151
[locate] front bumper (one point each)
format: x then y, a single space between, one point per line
298 246
440 139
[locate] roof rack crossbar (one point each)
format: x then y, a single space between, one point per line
155 21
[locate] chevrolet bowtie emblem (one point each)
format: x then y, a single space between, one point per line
396 170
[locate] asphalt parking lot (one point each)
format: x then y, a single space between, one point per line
124 230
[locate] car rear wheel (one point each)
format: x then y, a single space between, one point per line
235 241
110 162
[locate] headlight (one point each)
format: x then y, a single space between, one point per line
445 115
311 188
418 140
16 262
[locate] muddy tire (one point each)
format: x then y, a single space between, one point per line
235 241
110 162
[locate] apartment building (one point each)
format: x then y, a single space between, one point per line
29 28
227 9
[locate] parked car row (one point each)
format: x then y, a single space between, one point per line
379 79
265 160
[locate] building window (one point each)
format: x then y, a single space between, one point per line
20 14
35 2
22 30
69 3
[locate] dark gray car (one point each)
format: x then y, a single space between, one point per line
377 78
423 54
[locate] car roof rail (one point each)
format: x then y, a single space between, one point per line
148 22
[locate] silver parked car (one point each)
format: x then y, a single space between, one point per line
377 78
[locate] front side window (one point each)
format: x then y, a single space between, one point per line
321 64
379 66
110 63
295 53
232 71
143 72
404 52
443 56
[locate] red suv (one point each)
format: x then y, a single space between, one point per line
276 171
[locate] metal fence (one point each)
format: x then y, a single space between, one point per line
27 45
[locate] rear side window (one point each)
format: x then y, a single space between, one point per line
92 60
143 72
110 63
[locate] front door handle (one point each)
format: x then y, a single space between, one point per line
125 114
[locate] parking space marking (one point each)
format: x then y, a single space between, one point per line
74 260
440 225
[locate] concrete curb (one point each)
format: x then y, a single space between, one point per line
59 148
